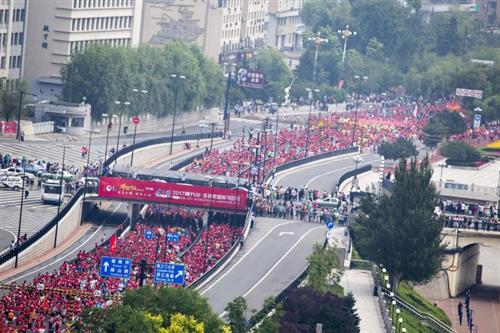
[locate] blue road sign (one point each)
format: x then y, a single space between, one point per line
115 267
329 225
172 237
148 234
169 273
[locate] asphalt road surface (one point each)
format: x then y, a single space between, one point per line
267 265
324 174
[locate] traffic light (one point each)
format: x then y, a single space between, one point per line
125 129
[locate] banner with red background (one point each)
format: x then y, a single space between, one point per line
172 193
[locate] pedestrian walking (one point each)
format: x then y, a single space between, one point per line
467 299
26 194
460 312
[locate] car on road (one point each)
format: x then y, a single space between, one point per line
11 171
34 169
12 182
328 202
68 176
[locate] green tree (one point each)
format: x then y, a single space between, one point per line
402 232
305 307
103 74
402 148
236 312
324 262
460 151
441 125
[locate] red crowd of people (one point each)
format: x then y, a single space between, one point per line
55 300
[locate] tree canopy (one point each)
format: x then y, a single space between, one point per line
394 46
402 148
104 74
441 125
460 151
164 310
324 262
401 231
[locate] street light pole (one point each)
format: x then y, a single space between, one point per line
61 181
211 182
311 96
139 92
227 115
122 104
176 78
20 219
356 77
19 109
86 173
346 33
317 40
212 136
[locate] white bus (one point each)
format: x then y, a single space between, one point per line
51 191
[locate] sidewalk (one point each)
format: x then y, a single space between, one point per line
360 283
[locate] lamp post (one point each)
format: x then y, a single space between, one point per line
356 77
227 114
311 97
60 193
346 33
211 183
108 129
317 41
91 130
19 108
357 160
139 93
176 78
441 165
400 323
20 219
121 106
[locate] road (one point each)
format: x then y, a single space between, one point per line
273 256
324 174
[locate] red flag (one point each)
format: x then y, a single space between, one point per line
112 243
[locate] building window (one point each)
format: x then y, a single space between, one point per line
2 63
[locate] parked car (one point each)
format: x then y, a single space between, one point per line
68 176
328 202
12 182
11 171
34 169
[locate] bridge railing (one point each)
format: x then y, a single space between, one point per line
6 256
157 141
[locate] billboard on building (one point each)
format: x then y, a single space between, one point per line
250 78
172 193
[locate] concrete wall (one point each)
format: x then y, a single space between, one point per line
67 226
462 271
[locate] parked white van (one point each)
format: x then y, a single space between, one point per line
12 182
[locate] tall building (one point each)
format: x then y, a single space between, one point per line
285 28
12 39
219 27
58 28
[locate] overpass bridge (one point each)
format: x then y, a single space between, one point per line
470 259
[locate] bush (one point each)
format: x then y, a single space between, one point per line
402 148
460 151
442 124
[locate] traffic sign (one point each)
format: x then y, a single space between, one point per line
115 267
148 234
477 121
329 225
169 273
254 170
172 237
136 120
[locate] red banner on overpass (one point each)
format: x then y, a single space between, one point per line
172 193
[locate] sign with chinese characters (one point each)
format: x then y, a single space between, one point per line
169 273
469 93
250 78
115 267
45 40
148 234
172 193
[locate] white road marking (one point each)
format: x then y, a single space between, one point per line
285 173
64 257
276 264
245 255
334 171
286 233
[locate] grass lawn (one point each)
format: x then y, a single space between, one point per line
406 292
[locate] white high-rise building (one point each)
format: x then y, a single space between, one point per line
12 39
57 28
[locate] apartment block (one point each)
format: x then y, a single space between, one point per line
58 28
12 39
218 27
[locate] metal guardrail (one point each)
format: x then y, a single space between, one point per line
223 260
6 256
353 173
162 140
